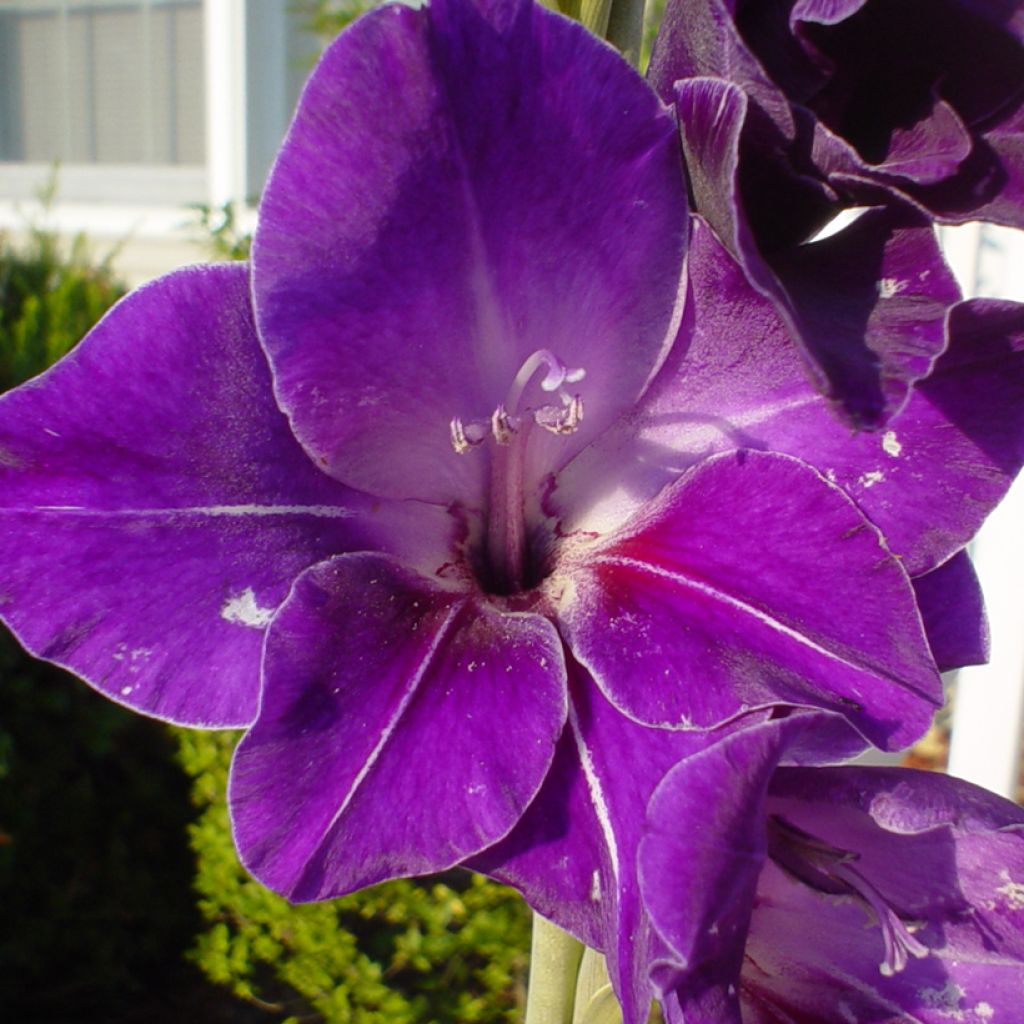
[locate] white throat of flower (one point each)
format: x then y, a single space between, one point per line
508 430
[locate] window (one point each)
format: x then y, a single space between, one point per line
102 82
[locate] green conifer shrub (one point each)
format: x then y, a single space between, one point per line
449 949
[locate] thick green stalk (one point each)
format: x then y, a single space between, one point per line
626 28
595 1000
554 965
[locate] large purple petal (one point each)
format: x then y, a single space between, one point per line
154 506
403 726
699 881
743 586
865 342
733 381
462 187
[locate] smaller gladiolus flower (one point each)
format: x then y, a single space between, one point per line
832 894
792 112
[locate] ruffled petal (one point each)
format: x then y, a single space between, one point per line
462 187
155 507
403 726
743 586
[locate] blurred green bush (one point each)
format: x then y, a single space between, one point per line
49 298
450 949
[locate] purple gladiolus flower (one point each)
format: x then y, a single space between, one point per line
492 472
791 112
832 894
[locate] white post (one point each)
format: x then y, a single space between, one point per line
988 709
224 45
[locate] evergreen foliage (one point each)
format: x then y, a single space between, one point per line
448 949
48 300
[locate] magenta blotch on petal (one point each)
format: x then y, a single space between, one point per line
715 582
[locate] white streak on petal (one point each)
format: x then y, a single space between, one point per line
597 799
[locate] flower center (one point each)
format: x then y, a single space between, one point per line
506 566
830 870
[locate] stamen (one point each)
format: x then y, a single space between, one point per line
466 435
506 566
560 421
503 426
829 869
507 419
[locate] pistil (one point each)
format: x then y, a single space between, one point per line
830 870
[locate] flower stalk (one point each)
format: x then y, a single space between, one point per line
554 966
625 29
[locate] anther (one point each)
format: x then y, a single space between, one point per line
503 426
466 436
507 419
560 421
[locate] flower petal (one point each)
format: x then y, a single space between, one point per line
154 506
403 727
699 883
946 856
462 187
732 381
573 855
864 344
928 861
744 586
953 611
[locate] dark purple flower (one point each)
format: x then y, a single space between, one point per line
791 112
467 494
864 99
826 895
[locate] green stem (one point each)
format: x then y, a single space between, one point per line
554 964
626 28
594 997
